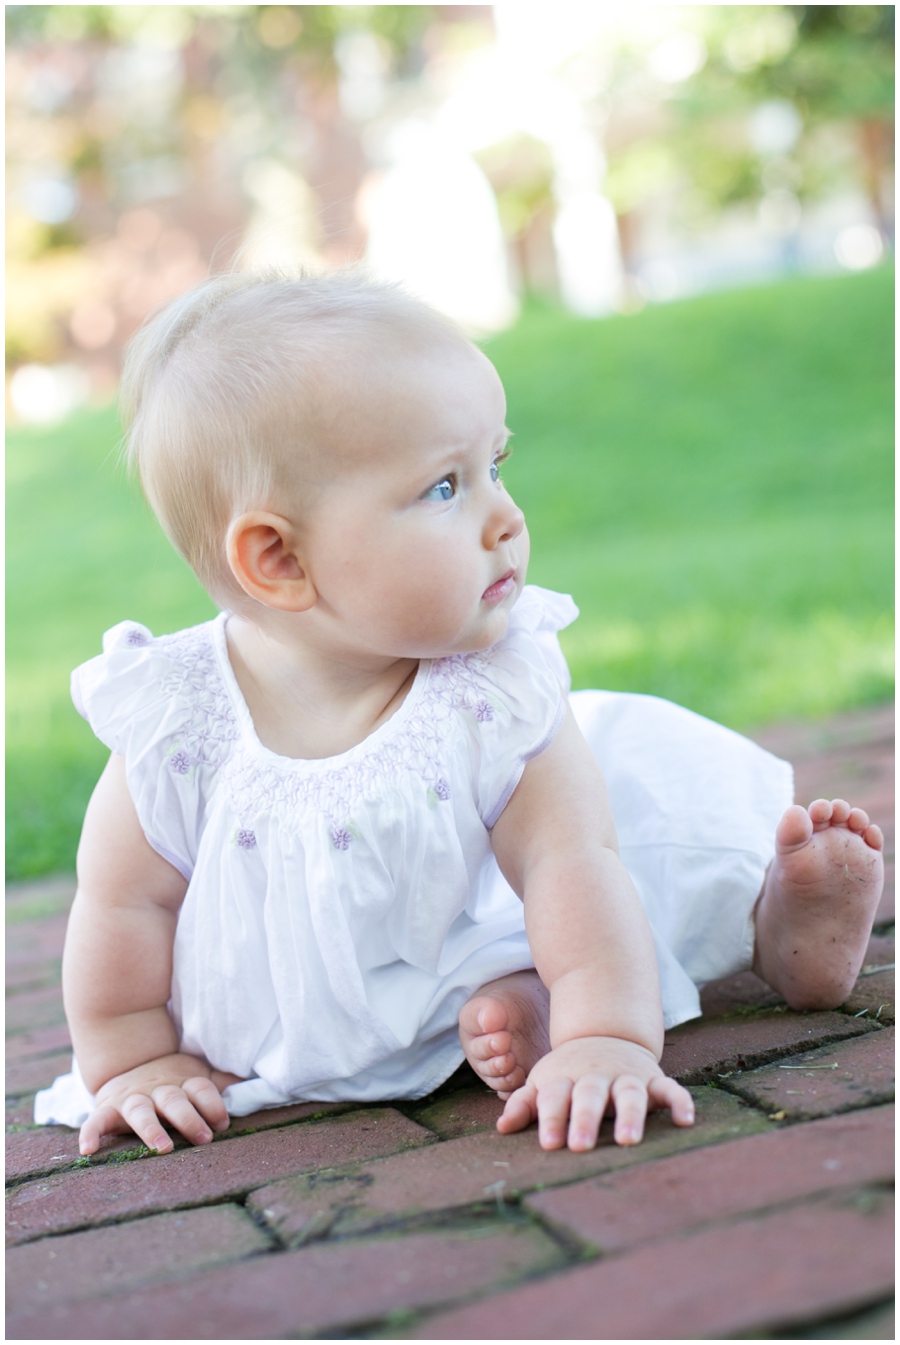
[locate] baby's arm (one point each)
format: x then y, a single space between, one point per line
117 972
592 946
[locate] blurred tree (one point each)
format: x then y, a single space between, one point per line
142 139
833 65
736 104
520 170
842 69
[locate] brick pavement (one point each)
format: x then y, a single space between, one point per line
771 1218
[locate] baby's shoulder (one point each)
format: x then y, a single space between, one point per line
141 687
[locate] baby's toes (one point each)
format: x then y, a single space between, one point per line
482 1017
498 1068
491 1015
840 812
874 837
857 820
796 827
820 811
487 1047
509 1083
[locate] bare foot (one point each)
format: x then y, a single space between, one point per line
815 913
504 1030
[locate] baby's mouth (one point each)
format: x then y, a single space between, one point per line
501 588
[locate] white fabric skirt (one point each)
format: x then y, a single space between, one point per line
695 807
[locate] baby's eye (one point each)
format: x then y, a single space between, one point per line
496 464
441 490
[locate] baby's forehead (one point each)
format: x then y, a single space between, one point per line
384 369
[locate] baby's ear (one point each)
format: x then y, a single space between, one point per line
263 553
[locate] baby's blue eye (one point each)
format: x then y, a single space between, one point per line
442 490
497 464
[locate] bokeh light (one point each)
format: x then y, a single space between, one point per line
596 155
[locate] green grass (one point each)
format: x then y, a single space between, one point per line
711 480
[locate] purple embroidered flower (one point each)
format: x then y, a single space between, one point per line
483 711
137 637
340 838
246 839
180 763
442 789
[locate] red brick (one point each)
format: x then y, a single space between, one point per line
34 1151
41 1041
463 1113
476 1169
881 949
735 993
873 997
34 1008
52 1149
32 973
858 1073
20 1112
874 991
32 939
816 1259
317 1289
196 1176
102 1261
27 1076
656 1199
700 1051
279 1116
868 728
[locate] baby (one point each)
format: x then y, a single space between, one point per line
353 830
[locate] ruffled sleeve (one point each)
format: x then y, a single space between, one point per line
525 702
149 700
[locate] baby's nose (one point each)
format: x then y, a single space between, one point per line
516 524
506 524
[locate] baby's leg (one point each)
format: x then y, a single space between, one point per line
815 912
504 1030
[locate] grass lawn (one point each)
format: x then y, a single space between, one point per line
710 479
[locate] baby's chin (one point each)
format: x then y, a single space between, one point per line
488 629
493 632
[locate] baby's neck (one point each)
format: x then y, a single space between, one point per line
309 702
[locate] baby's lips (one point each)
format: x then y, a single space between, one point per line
499 585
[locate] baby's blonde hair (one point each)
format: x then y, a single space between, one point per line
222 388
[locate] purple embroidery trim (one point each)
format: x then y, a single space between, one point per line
483 712
442 789
340 838
180 763
137 637
246 839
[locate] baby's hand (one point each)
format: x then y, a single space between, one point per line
181 1089
569 1090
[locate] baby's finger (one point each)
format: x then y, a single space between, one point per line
106 1120
520 1110
553 1113
140 1114
629 1095
170 1101
667 1093
589 1098
208 1100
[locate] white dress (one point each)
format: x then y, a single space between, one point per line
340 912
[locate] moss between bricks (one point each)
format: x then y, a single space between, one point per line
117 1156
